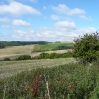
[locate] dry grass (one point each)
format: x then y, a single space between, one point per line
15 50
10 68
59 51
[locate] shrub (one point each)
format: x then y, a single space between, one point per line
86 48
53 55
24 57
6 59
62 47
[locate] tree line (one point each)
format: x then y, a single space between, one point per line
4 44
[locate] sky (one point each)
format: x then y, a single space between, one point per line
47 20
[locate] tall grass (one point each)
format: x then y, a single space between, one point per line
70 81
10 68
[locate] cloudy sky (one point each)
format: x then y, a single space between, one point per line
47 20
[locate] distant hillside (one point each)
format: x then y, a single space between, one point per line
35 49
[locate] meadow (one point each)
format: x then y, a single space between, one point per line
53 46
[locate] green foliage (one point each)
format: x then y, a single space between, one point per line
53 55
24 57
71 81
86 48
6 59
4 44
62 47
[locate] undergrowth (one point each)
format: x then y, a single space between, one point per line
70 81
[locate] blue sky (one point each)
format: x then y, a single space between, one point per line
47 20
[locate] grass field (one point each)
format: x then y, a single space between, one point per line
10 68
51 46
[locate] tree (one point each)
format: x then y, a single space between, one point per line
1 45
86 48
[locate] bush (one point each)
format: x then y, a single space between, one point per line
86 48
53 55
6 59
62 47
24 57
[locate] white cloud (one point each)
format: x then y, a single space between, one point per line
20 23
20 32
54 17
87 30
65 24
85 18
17 9
46 34
63 31
63 34
6 20
63 9
4 26
24 35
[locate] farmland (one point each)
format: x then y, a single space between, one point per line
15 51
33 50
59 78
53 46
10 68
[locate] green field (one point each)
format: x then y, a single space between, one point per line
52 46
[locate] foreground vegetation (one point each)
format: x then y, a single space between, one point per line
70 81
